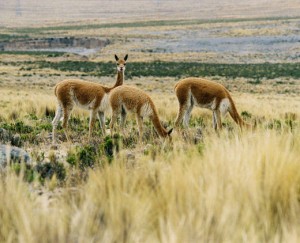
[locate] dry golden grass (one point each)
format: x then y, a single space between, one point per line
238 188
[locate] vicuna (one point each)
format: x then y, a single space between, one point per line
87 95
126 98
204 93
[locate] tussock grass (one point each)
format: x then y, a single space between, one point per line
240 188
233 186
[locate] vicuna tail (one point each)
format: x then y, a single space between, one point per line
175 86
235 115
55 88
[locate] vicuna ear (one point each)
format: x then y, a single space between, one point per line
170 131
116 57
125 58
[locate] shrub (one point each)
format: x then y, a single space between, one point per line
246 115
108 147
71 159
111 145
18 126
26 172
83 157
86 157
49 169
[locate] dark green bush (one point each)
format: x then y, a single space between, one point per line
84 157
108 147
71 159
18 127
49 169
45 126
111 145
27 172
246 115
87 157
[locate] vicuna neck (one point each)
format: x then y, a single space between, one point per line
120 79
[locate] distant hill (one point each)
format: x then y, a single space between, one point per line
32 12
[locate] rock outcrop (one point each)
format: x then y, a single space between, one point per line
11 154
52 43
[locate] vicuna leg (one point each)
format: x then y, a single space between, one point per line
101 118
214 116
218 118
55 122
139 120
92 122
187 115
181 112
123 117
185 103
67 113
113 120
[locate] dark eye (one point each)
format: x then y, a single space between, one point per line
124 64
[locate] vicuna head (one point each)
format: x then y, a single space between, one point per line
121 63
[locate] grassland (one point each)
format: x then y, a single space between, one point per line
228 187
233 186
203 186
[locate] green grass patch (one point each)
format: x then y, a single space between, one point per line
255 71
181 69
90 156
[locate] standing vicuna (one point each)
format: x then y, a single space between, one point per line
87 95
126 98
206 94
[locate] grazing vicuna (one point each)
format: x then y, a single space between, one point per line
204 93
126 98
87 95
